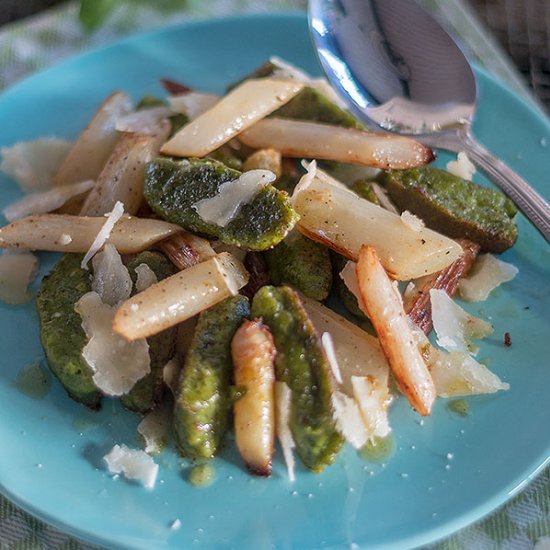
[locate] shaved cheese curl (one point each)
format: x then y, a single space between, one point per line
103 233
117 364
283 398
133 464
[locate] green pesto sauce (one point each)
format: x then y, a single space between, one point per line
202 475
378 450
460 407
33 380
83 423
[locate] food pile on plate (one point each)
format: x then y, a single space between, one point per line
257 262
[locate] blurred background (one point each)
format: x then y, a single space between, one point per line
521 27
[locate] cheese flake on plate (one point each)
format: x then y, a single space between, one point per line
349 276
348 419
456 373
373 399
155 427
462 167
133 464
232 195
455 328
117 363
32 164
459 374
17 270
111 278
328 346
145 277
45 201
104 233
487 273
283 398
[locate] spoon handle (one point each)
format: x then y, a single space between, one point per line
531 203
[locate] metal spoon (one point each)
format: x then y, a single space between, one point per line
397 68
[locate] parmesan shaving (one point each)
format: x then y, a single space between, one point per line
349 276
111 279
104 233
374 400
462 167
117 364
170 374
383 199
307 179
231 197
133 464
144 121
412 221
16 273
487 273
459 374
348 419
283 395
32 164
145 277
155 427
454 326
192 104
46 201
328 346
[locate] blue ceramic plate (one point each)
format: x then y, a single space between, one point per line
51 460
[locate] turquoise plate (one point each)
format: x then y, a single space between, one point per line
447 470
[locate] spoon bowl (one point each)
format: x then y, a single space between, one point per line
399 70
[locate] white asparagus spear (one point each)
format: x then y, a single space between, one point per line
239 109
336 217
65 233
122 177
179 297
304 139
94 145
397 340
253 353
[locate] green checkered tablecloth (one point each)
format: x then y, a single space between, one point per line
523 523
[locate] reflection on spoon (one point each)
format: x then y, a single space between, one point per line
398 69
